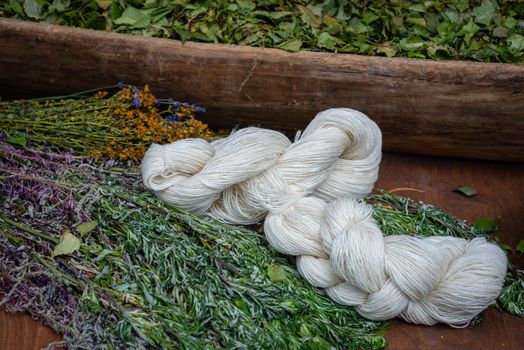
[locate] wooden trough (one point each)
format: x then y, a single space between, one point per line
461 109
448 109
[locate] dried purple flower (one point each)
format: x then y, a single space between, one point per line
68 205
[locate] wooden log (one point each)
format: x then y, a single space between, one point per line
450 108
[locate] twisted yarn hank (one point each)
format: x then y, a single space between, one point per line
310 194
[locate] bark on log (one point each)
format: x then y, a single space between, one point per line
449 108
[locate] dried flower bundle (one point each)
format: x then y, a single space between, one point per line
118 126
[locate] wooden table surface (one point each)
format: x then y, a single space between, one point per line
500 189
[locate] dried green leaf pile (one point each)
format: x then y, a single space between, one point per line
480 30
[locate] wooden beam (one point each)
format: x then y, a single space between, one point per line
447 108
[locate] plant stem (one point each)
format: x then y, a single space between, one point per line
56 271
29 230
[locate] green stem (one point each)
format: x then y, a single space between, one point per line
56 271
28 177
53 123
28 230
76 94
6 157
12 238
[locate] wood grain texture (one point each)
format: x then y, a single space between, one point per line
20 332
500 189
459 109
496 331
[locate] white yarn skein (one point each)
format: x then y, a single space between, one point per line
310 192
338 155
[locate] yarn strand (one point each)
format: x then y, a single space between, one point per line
310 193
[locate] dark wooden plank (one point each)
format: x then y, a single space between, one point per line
20 332
496 331
500 194
500 189
461 109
